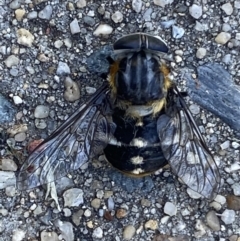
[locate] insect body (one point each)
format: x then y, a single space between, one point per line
138 118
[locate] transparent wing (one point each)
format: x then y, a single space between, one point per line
84 135
185 149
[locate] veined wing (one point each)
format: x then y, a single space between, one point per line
185 149
84 135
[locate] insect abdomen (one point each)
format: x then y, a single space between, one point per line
140 153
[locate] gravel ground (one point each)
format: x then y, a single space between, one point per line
44 47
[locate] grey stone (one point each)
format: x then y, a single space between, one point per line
137 5
46 13
63 68
216 98
195 11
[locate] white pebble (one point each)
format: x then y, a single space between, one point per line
24 37
117 17
46 13
81 3
193 194
129 232
223 38
162 3
41 111
74 27
103 29
235 144
227 8
63 68
201 53
237 4
228 216
195 11
137 5
97 233
17 100
220 199
87 213
170 209
236 189
73 197
225 145
18 235
72 92
58 44
11 60
177 32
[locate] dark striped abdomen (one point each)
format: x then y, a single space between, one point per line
135 158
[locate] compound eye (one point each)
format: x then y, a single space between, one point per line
140 41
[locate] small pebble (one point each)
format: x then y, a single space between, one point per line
41 111
129 232
195 11
201 53
220 199
67 212
151 224
89 20
49 236
40 124
121 213
117 17
137 5
95 203
213 221
17 100
97 233
32 15
237 4
11 60
236 189
228 216
233 202
90 90
145 203
81 3
72 92
58 44
235 144
77 216
24 37
103 29
63 68
223 38
168 24
110 204
177 32
74 27
19 13
195 109
10 191
73 197
66 229
18 235
225 145
15 4
46 13
87 213
227 8
162 3
193 194
170 209
8 165
20 137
